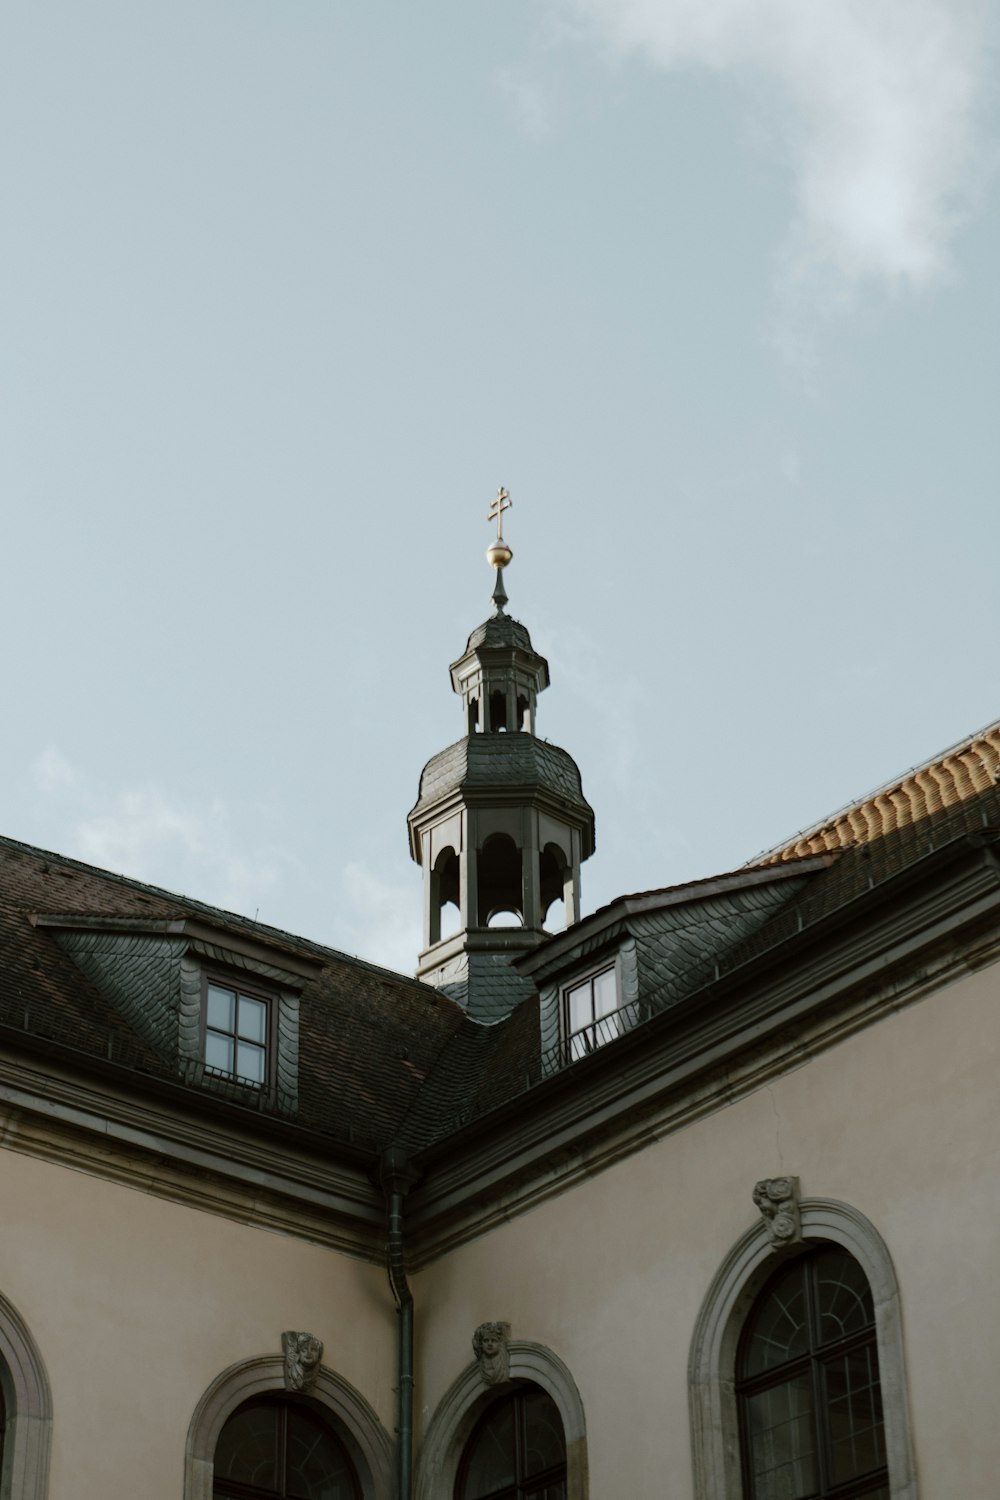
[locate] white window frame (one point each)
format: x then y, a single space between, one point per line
601 1029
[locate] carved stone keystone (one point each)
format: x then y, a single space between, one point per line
303 1352
489 1344
778 1200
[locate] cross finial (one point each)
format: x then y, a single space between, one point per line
498 553
498 505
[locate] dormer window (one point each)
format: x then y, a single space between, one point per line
236 1033
590 1011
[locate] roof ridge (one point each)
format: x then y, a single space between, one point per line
896 783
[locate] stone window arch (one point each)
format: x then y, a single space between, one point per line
712 1362
366 1440
27 1403
464 1403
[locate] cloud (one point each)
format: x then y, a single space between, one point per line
527 100
878 101
152 835
52 772
379 919
146 834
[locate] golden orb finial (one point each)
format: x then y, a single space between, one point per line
498 554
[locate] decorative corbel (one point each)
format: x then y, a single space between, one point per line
778 1200
302 1353
489 1344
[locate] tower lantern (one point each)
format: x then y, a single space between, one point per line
501 824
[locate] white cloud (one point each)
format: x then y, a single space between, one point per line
51 771
379 919
528 101
879 103
146 834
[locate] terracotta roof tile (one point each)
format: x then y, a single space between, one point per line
960 773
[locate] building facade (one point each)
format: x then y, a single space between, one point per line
693 1199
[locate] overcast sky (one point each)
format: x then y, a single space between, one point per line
290 286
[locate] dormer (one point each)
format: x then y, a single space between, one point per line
220 1006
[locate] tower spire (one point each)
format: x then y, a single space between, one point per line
501 825
498 553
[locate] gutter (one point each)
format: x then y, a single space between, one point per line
397 1177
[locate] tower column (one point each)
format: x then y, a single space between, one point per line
432 901
530 872
571 889
468 877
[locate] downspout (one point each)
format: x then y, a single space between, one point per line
396 1177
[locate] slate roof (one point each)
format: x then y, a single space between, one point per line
368 1037
385 1059
500 630
491 761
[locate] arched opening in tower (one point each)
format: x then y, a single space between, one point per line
445 911
523 718
553 874
498 711
501 903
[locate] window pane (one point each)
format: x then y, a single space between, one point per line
317 1467
605 993
782 1444
580 1013
250 1062
252 1019
221 1011
544 1446
843 1297
219 1051
778 1332
247 1447
492 1465
854 1409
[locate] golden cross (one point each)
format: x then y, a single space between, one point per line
497 507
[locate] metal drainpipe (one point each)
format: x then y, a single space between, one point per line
396 1177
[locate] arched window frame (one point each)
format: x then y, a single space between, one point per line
367 1441
28 1402
464 1403
712 1363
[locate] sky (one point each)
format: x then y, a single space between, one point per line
289 287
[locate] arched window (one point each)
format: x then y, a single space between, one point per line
278 1448
517 1450
25 1411
810 1400
845 1269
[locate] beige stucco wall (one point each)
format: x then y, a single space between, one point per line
901 1121
136 1304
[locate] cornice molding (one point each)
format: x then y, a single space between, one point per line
240 1174
693 1060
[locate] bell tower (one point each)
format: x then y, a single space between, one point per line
501 825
